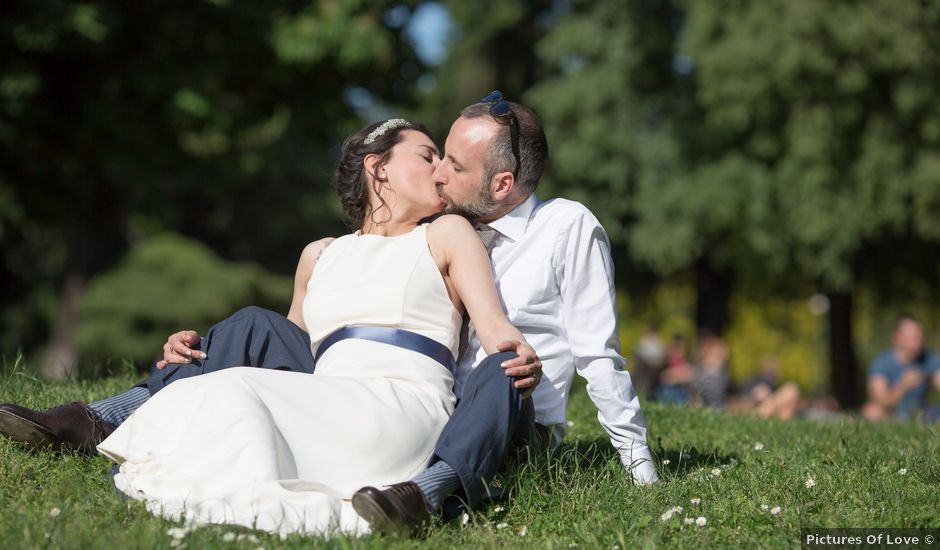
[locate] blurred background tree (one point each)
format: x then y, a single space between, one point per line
491 45
778 146
218 120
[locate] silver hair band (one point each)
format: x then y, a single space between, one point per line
389 124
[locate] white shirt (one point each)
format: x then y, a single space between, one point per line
553 270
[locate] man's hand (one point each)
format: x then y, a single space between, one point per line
178 348
526 368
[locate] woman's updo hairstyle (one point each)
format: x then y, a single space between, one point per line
350 179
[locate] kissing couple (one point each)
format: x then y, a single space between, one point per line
373 400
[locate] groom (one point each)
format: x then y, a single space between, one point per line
554 272
553 269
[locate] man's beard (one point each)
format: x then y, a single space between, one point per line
482 206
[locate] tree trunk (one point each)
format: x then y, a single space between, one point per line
61 357
713 290
844 379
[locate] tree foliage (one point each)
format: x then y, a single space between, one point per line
789 143
788 136
824 136
219 120
162 285
492 46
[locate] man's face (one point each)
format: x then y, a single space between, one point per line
460 175
909 339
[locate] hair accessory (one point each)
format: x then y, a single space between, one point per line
389 124
502 109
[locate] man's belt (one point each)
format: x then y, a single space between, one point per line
395 337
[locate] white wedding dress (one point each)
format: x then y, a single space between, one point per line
283 451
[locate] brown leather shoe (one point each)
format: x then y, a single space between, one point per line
399 510
67 427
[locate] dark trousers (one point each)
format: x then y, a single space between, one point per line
490 417
252 336
474 441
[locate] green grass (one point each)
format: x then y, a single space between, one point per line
578 498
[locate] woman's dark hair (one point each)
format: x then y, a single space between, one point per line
350 179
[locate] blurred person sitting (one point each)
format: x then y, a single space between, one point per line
649 359
711 372
898 378
765 395
677 376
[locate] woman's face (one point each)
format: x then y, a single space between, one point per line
408 173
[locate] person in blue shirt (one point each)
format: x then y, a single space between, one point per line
899 378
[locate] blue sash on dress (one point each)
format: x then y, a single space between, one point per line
396 337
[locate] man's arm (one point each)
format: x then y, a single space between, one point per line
584 271
933 369
886 396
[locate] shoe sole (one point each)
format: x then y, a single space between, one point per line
27 432
376 517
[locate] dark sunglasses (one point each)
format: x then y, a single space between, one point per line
501 109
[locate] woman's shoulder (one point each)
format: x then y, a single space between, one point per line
451 223
448 234
312 252
313 249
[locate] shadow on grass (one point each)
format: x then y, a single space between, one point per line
594 454
682 461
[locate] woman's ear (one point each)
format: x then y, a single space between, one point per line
371 163
376 170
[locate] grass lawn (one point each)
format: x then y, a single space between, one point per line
755 483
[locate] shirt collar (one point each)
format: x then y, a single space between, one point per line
514 223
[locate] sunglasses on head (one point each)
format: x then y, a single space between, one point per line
502 110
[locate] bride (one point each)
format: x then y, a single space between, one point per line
284 451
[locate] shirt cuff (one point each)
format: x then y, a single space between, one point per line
640 464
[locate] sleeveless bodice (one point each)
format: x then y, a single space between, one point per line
380 281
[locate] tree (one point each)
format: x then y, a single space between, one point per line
618 105
215 119
189 284
493 48
791 140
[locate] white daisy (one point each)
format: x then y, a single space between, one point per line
810 483
667 515
178 532
701 521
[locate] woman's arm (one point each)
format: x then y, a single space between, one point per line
458 248
308 259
